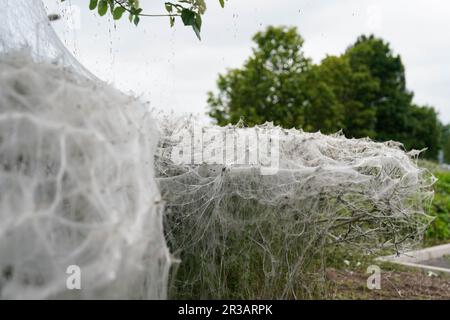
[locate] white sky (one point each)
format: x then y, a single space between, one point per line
173 70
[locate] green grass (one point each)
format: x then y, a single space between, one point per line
439 230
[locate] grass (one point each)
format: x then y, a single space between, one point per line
439 230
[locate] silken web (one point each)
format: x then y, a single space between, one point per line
91 177
237 225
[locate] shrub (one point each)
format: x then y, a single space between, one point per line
439 230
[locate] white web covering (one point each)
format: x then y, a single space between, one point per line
244 234
24 24
76 174
77 187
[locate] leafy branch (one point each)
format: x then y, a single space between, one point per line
190 11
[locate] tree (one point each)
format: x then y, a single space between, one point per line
190 11
445 142
424 131
363 92
322 109
353 91
392 101
269 85
279 84
397 118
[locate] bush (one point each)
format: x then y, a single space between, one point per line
439 230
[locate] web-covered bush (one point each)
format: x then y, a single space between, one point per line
77 181
242 234
76 187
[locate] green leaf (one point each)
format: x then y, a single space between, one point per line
197 32
198 21
188 17
222 3
136 20
93 4
197 25
172 21
118 12
169 7
102 7
111 5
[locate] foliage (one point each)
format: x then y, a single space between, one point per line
190 11
397 118
269 86
439 230
391 100
423 131
445 142
362 91
353 90
241 234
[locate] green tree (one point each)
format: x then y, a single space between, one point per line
362 91
424 131
269 85
322 109
392 101
445 142
279 84
354 91
397 118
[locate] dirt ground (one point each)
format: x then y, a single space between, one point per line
394 285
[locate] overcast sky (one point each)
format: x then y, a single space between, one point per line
173 70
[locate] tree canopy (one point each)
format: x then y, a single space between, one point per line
268 87
363 92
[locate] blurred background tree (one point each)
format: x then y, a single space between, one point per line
363 92
445 142
269 87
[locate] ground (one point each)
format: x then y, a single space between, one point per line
395 284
